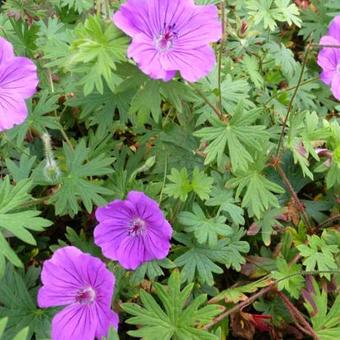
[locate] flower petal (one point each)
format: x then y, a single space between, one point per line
106 319
327 76
202 28
143 51
131 252
335 86
193 64
109 235
6 51
76 322
132 18
334 28
13 111
19 78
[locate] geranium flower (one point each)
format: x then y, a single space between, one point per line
169 36
82 283
133 231
18 81
329 58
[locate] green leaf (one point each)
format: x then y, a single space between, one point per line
75 185
259 192
23 334
325 320
200 260
180 188
23 169
147 100
206 230
79 5
284 272
267 222
240 136
237 294
16 221
18 292
175 318
318 255
151 269
286 11
99 46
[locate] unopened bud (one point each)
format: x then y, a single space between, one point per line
51 170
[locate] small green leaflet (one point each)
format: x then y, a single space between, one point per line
283 274
325 320
75 185
96 50
181 185
206 230
318 255
175 318
200 260
239 135
18 303
15 220
259 192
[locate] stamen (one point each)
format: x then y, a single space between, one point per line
86 296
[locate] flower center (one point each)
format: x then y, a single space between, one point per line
86 296
166 38
137 227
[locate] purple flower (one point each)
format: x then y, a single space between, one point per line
329 58
133 231
82 283
169 36
18 81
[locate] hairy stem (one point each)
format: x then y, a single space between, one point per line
290 105
221 55
294 195
297 316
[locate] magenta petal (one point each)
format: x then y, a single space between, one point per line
76 322
334 28
19 78
13 111
6 51
335 86
108 237
132 17
327 76
203 27
193 64
131 252
107 320
143 51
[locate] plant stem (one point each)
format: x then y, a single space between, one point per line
61 129
260 293
294 195
324 45
220 56
206 100
297 316
290 105
329 221
289 89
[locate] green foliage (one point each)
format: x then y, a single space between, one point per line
98 47
325 320
288 277
239 135
259 192
175 318
15 220
267 12
206 230
181 185
18 304
75 186
318 255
